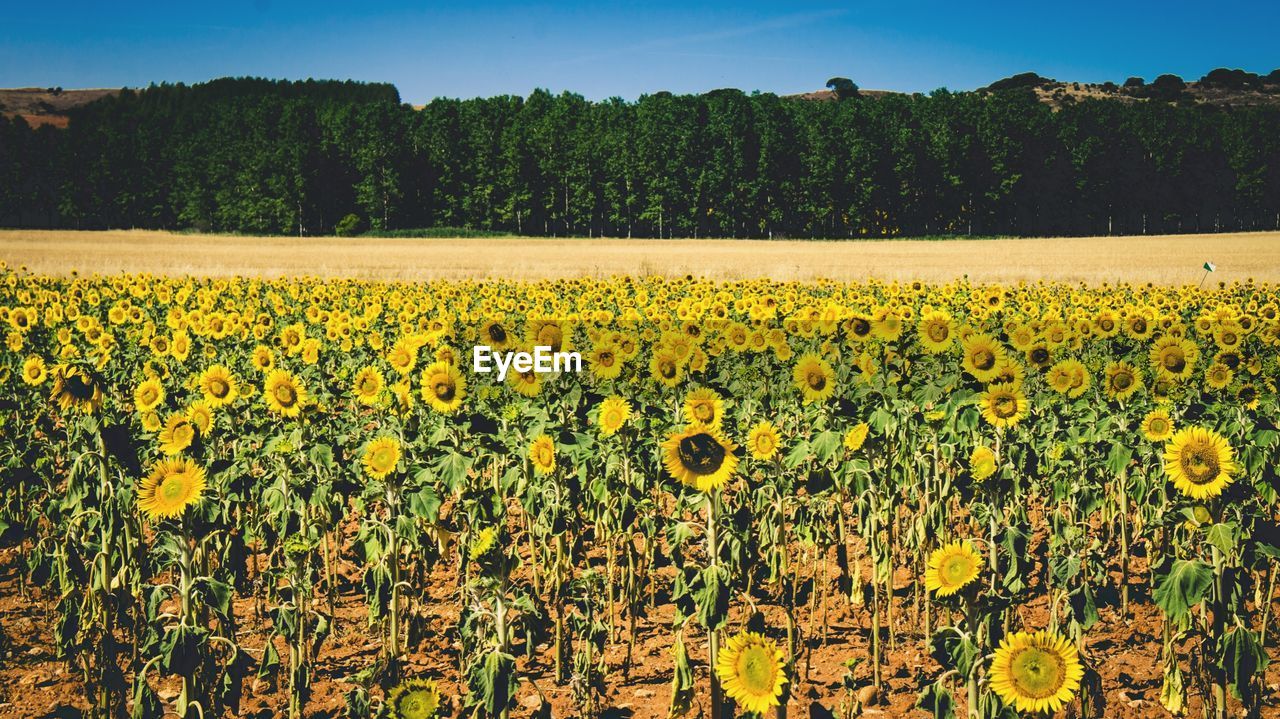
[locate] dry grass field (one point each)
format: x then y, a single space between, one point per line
1171 260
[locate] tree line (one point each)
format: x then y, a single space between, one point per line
260 156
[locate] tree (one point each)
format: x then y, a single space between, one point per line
843 87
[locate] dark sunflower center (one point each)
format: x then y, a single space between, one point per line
1122 381
984 359
937 332
1005 406
1199 464
816 379
1040 355
79 388
285 395
1174 361
219 387
861 327
497 334
701 453
444 390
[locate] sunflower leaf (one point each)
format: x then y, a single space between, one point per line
1182 586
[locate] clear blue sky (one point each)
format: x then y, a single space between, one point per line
601 48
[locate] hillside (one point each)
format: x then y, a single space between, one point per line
46 106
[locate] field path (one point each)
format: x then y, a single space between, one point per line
1175 259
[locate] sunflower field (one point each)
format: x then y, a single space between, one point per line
984 494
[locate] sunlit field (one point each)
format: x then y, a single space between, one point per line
227 496
1168 260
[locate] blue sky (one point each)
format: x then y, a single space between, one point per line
603 48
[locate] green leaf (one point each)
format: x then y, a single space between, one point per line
492 680
146 705
1119 458
1182 586
1223 536
1242 658
826 444
425 504
682 684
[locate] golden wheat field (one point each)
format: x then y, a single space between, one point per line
1170 259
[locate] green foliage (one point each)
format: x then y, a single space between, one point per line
253 156
349 226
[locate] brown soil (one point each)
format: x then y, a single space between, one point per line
1125 652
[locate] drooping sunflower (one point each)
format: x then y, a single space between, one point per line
1003 405
482 543
218 386
1199 462
148 395
1157 426
700 457
76 389
542 453
34 371
856 436
443 387
763 441
414 699
951 567
1122 380
284 393
982 463
614 413
752 672
381 456
367 385
814 378
171 487
1036 673
704 406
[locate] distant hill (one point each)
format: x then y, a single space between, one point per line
1220 87
46 106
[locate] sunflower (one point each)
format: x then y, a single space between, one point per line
1003 405
704 406
367 385
171 487
177 435
34 371
700 457
200 415
604 361
414 699
1199 462
752 672
856 436
443 387
763 441
983 356
284 394
814 378
1122 380
937 332
1036 673
1157 426
381 456
542 452
76 389
1069 377
614 413
148 395
482 542
952 567
528 384
1218 376
218 385
1174 357
665 368
982 463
